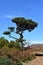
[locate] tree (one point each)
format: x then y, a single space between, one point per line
22 25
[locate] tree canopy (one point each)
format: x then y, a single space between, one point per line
24 24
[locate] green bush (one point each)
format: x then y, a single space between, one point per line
5 61
3 42
18 63
11 44
17 46
14 44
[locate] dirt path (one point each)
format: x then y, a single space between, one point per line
36 61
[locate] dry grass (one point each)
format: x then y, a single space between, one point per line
15 54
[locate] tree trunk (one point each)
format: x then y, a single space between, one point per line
21 40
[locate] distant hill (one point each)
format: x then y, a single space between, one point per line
36 47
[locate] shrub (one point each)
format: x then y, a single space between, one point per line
3 42
14 44
15 60
18 63
5 61
11 44
17 46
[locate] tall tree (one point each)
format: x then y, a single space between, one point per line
22 25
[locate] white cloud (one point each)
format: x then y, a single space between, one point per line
14 14
9 16
36 42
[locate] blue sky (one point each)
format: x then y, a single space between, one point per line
30 9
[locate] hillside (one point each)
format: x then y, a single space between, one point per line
36 48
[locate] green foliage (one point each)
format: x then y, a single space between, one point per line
24 24
11 29
3 42
18 63
14 44
17 45
15 60
5 61
6 33
11 44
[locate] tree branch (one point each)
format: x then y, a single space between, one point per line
12 37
